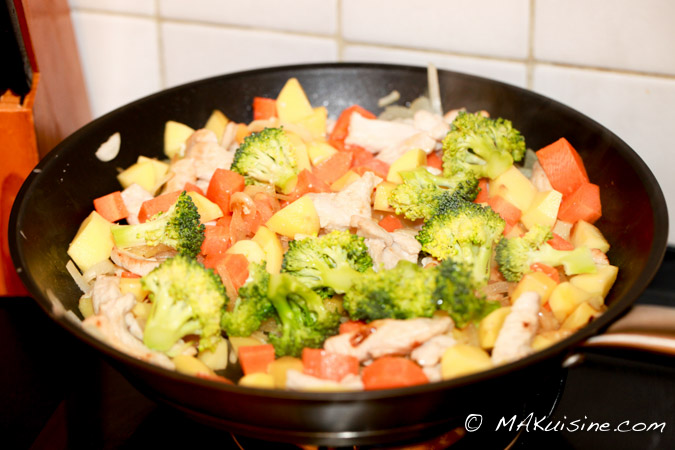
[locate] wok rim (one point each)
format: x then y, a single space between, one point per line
558 350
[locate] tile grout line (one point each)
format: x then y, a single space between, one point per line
530 62
160 47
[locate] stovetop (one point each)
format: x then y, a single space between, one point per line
55 392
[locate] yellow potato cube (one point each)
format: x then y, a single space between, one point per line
86 306
580 317
133 286
190 365
175 135
589 235
217 357
292 102
463 359
543 210
208 211
258 380
217 123
161 169
565 298
598 283
143 174
238 341
410 160
315 123
250 249
279 367
537 282
489 327
562 229
515 187
92 243
319 152
271 245
344 181
299 151
300 217
141 310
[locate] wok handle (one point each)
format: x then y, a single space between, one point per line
644 327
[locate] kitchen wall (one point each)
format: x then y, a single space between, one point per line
613 60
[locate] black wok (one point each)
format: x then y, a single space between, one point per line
58 195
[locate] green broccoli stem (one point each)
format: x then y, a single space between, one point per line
167 324
495 162
146 233
480 272
341 278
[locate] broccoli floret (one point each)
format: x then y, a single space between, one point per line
464 232
178 228
328 264
421 192
515 255
267 157
455 293
187 299
402 292
481 146
252 306
304 319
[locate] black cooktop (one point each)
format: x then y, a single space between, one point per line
57 393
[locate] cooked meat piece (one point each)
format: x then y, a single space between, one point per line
431 123
430 353
201 135
207 157
336 209
514 340
375 135
433 373
106 288
419 140
388 337
298 381
133 263
133 197
385 248
181 171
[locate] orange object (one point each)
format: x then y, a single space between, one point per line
334 167
255 358
161 203
223 184
341 128
360 157
233 267
217 238
307 182
111 207
328 365
582 204
505 209
435 161
126 274
265 207
377 166
208 376
560 243
241 133
351 325
390 372
483 195
563 166
264 108
390 223
191 187
548 270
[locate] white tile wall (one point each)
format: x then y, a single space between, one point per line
611 59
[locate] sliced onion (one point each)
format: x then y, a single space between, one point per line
110 148
388 99
77 277
434 90
242 202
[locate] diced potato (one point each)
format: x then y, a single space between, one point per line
489 327
563 229
543 210
565 298
381 197
217 123
589 235
463 359
515 187
345 180
86 306
92 243
315 123
207 209
238 341
299 151
141 173
300 217
280 366
319 152
175 135
580 317
410 160
544 340
598 283
190 365
258 380
271 246
292 102
161 168
133 286
216 358
141 310
250 249
537 282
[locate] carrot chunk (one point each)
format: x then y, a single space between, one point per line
255 358
233 267
435 161
510 213
377 166
582 204
328 365
264 108
156 205
191 187
390 223
223 184
217 237
341 128
563 166
307 182
360 157
334 167
390 372
551 272
111 207
351 325
482 196
560 243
